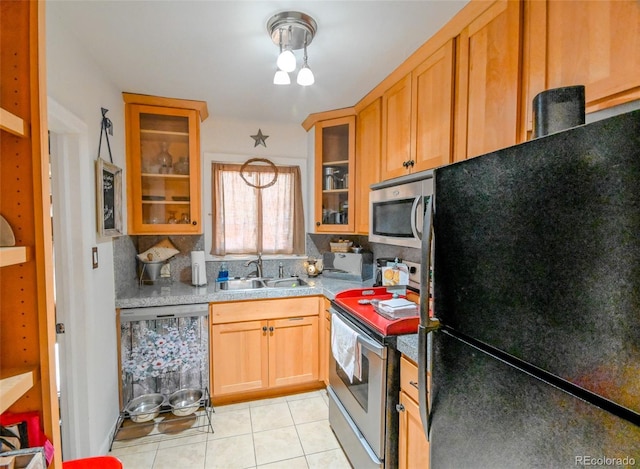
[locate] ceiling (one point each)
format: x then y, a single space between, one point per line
220 51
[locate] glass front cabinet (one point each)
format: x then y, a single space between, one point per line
334 154
163 164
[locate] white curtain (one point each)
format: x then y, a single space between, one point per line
248 220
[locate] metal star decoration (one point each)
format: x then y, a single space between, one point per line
260 139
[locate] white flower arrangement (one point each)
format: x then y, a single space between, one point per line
156 353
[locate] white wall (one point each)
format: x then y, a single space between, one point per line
79 88
229 140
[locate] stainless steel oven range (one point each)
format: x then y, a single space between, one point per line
362 410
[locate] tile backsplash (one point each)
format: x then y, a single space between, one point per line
126 266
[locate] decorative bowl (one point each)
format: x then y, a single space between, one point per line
185 401
145 407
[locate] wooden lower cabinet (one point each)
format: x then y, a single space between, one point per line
413 447
293 351
240 357
264 345
325 341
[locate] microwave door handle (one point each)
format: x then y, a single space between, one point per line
427 324
415 221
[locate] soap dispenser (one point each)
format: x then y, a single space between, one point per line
223 273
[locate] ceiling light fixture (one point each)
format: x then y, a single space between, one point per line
292 30
281 78
286 60
305 75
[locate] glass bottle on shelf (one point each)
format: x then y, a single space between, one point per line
172 218
165 159
185 218
182 166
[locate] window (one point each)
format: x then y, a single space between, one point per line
257 208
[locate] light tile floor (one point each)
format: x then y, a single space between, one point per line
288 432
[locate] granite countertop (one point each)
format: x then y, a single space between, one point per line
178 293
408 345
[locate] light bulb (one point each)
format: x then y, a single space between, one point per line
305 76
281 78
286 61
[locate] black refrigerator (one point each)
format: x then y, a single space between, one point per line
536 284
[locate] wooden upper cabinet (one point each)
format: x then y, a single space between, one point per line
367 167
488 81
418 117
163 165
432 108
595 44
335 148
396 129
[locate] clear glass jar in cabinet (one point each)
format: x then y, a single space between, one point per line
334 170
163 167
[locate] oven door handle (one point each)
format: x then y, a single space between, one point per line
371 346
364 340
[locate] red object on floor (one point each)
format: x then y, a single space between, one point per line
98 462
34 430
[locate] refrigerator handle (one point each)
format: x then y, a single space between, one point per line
427 324
425 261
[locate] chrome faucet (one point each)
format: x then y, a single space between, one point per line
258 263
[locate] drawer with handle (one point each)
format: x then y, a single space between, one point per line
409 378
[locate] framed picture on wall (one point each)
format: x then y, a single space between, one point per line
109 198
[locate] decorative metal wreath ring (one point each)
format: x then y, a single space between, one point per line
262 160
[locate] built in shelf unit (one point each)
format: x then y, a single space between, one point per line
27 318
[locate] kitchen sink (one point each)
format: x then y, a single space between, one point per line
252 283
240 284
290 282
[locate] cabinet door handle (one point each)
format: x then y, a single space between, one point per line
414 384
271 329
264 328
194 223
296 319
399 408
318 223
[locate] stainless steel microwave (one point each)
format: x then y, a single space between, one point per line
396 209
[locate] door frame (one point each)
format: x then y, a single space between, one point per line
70 147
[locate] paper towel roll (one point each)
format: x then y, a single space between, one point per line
198 268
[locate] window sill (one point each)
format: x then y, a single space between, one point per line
266 257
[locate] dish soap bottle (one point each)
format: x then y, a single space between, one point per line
223 273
